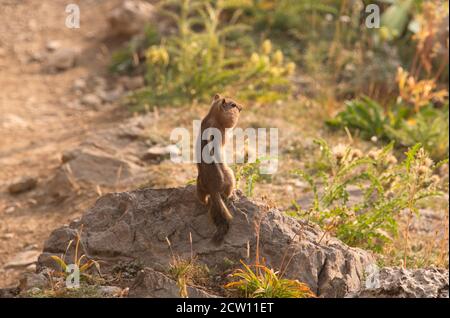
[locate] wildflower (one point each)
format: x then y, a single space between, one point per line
421 170
290 68
278 57
350 213
157 55
265 60
374 139
384 33
428 162
254 58
391 160
435 179
356 154
276 71
267 47
339 151
373 154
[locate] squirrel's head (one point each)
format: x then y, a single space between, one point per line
227 110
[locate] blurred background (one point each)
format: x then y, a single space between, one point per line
358 90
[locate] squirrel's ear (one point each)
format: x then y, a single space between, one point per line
216 97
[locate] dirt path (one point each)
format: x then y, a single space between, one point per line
37 117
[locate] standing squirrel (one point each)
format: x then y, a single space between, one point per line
215 180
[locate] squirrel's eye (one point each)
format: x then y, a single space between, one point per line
233 105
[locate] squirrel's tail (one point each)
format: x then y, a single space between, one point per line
220 215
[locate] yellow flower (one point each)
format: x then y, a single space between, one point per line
276 71
265 60
339 151
267 47
254 59
278 57
290 68
157 55
411 122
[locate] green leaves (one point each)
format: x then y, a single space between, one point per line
429 126
364 114
378 186
395 19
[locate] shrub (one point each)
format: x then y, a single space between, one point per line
200 58
264 282
387 187
429 126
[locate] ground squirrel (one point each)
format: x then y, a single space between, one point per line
215 180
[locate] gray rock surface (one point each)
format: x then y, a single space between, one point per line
407 283
152 284
22 259
61 59
22 185
130 17
33 280
108 158
91 100
136 225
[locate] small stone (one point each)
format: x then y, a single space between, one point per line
29 247
79 84
132 83
31 268
110 291
99 82
23 259
10 209
110 96
22 185
68 155
91 100
130 17
53 45
7 236
36 57
160 153
61 59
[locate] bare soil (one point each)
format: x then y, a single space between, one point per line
37 117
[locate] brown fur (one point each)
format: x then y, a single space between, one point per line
216 181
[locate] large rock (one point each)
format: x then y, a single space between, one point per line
406 283
152 284
130 17
135 225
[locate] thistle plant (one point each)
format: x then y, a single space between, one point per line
386 188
